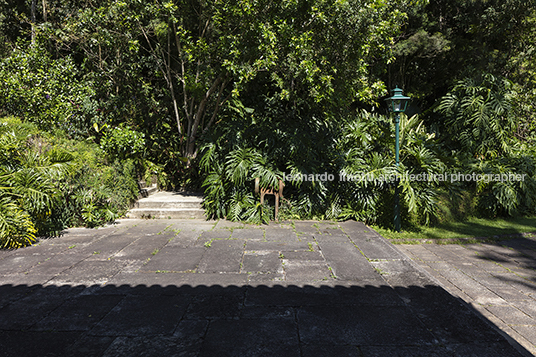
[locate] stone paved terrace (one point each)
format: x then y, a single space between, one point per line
498 280
198 288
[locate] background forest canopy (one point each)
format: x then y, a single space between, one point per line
209 95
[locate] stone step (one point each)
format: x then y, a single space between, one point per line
165 199
148 191
164 204
165 213
159 204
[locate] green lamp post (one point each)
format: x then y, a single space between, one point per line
397 104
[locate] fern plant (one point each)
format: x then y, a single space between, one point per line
29 186
48 183
279 147
479 116
368 143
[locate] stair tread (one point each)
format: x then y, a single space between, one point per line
167 209
165 203
162 196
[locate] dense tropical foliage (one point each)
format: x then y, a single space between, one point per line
210 95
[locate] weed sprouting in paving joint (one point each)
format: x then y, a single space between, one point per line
333 276
293 225
155 252
381 272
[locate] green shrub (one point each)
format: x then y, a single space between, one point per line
48 183
46 91
123 142
247 146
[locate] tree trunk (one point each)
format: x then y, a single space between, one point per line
44 11
33 21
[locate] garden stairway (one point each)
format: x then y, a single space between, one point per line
163 204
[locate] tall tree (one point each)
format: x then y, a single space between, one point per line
202 53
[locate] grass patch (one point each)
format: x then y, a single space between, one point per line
471 228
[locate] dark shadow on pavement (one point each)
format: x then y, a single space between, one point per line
517 254
164 318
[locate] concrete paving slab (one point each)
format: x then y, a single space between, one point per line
356 326
24 313
261 262
255 279
142 316
473 288
307 227
445 317
214 279
89 346
327 225
279 246
111 304
374 247
268 312
224 224
244 337
20 263
422 253
405 351
509 293
144 247
89 272
153 346
40 249
6 252
159 283
34 343
528 307
498 349
506 295
248 233
80 313
304 256
346 261
393 266
354 228
226 305
280 235
330 350
192 225
12 292
527 331
441 266
306 271
215 234
26 279
103 249
510 315
334 237
174 259
185 238
222 256
320 293
58 263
